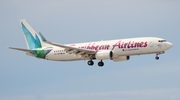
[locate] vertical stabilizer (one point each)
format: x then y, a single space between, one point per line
32 38
30 35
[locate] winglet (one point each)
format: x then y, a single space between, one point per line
42 37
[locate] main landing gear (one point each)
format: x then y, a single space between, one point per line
90 63
100 64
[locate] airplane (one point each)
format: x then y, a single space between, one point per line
115 50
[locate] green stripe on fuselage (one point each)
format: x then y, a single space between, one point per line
41 53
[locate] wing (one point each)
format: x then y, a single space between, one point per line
20 49
74 50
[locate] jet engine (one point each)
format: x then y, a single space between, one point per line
121 58
102 55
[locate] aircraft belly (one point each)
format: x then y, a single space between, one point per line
63 57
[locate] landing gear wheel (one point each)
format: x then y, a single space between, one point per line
90 63
157 58
100 64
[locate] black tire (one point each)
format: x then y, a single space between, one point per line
157 58
90 63
100 64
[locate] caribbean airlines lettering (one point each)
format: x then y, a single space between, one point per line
96 47
130 44
119 44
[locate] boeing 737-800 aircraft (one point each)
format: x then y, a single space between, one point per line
115 50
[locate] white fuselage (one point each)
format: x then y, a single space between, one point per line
119 47
116 50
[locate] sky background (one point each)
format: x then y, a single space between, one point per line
71 21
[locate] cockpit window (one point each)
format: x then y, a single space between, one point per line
162 41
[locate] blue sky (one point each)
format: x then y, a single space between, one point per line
72 21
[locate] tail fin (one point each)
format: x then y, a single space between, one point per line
32 38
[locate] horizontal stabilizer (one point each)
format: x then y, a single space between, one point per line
20 49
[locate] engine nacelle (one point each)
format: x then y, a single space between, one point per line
121 58
102 55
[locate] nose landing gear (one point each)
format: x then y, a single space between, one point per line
157 57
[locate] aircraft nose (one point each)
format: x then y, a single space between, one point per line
169 45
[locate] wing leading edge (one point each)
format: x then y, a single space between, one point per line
74 50
70 48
